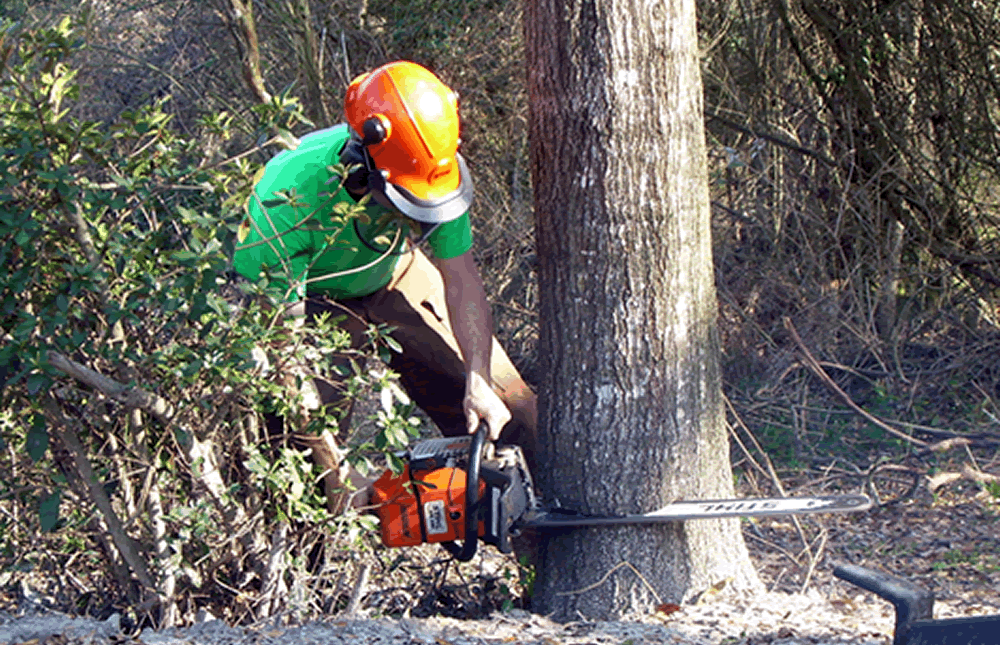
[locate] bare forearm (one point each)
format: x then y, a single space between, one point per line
471 321
472 325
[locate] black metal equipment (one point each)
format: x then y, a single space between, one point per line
915 624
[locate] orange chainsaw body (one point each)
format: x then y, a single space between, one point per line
421 506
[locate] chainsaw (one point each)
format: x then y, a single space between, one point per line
431 500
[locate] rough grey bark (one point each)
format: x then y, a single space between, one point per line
631 406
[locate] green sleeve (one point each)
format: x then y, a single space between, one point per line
451 239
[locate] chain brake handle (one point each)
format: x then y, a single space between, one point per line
465 552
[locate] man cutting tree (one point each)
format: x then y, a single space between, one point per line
400 145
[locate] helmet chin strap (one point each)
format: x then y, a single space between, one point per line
368 178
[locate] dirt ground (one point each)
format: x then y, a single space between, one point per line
948 542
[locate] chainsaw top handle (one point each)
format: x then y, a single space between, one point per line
465 552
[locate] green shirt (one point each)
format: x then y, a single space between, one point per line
299 243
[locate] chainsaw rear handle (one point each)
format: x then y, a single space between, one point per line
465 552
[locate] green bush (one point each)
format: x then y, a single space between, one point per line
132 402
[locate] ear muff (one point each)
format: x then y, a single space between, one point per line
375 130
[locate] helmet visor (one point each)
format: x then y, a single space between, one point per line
432 211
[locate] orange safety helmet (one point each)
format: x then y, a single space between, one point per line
407 122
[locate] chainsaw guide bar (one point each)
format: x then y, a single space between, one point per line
705 509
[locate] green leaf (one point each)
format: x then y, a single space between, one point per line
395 463
206 329
368 522
286 139
399 436
393 344
199 303
48 511
192 368
257 176
24 239
25 328
37 382
37 441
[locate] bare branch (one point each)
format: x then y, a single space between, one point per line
95 489
131 397
773 138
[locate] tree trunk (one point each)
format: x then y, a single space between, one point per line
631 403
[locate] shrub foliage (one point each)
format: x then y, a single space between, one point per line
133 379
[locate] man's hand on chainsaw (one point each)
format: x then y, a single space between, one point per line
482 403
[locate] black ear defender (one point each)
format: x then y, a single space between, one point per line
374 131
367 178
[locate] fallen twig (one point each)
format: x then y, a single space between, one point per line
814 560
939 480
944 446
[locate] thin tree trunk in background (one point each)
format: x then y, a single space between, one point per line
631 403
240 16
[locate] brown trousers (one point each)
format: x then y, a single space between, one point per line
430 366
